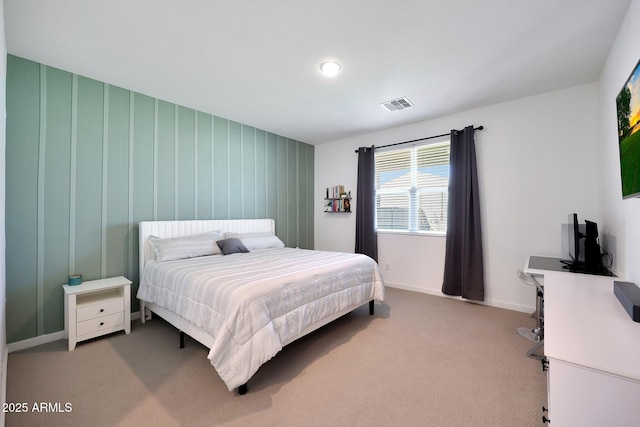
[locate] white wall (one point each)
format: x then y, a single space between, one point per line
621 225
537 160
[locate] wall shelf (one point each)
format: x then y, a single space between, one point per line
338 205
337 200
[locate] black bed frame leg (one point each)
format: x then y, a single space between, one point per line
181 339
371 307
243 389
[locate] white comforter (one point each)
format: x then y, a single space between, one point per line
253 303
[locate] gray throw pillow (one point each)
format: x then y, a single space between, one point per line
232 245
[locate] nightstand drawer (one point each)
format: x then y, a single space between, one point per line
99 309
105 322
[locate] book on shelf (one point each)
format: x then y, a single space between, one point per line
338 205
336 192
338 200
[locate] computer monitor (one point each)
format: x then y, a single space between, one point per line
585 254
574 238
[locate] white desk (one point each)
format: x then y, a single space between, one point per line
593 349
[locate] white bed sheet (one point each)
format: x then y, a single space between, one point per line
254 302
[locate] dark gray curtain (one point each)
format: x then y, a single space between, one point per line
463 265
366 235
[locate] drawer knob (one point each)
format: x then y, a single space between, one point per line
101 323
101 310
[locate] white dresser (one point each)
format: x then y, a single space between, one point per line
96 308
593 350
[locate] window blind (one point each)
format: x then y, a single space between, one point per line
412 188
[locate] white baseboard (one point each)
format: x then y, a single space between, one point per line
413 288
44 339
491 303
35 341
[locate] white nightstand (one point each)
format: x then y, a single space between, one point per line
96 308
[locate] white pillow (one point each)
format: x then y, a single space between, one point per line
186 247
256 241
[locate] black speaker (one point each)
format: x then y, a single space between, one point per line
592 253
629 296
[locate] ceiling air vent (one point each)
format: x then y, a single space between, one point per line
397 104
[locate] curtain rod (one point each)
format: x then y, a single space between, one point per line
421 139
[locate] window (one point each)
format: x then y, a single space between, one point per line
412 188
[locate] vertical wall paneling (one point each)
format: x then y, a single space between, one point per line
142 179
130 226
176 161
310 168
42 144
282 190
117 175
248 190
221 168
254 163
185 166
88 197
260 162
311 195
234 178
143 154
155 159
240 175
105 168
204 193
293 198
55 255
303 191
166 163
86 161
212 131
271 165
72 178
23 118
195 165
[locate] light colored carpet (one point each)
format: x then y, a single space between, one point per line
421 360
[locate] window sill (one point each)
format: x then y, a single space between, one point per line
413 233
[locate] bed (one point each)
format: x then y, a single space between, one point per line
249 296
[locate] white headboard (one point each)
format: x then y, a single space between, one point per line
167 229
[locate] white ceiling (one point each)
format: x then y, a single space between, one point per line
256 62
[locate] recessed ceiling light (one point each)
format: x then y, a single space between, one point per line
330 68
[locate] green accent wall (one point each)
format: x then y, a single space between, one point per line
86 161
